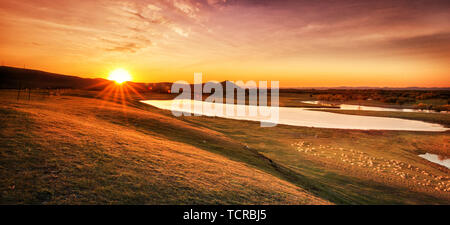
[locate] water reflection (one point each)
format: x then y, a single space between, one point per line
438 159
366 108
308 118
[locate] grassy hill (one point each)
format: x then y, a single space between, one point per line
11 77
86 146
81 149
74 150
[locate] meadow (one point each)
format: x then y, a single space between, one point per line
81 148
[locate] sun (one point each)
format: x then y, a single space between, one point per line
119 76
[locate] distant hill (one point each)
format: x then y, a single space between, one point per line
13 78
371 88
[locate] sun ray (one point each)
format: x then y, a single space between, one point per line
120 91
119 76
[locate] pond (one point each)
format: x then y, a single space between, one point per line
301 117
443 161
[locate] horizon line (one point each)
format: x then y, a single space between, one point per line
286 87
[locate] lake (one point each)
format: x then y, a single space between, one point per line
436 159
302 117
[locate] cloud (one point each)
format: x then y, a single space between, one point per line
188 9
218 33
153 7
180 31
436 45
126 47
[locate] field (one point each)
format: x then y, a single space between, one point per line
76 148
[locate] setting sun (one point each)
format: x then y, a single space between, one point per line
119 76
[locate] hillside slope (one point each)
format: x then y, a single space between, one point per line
20 78
72 150
11 77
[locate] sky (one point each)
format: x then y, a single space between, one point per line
301 43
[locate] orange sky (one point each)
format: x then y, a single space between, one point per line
301 43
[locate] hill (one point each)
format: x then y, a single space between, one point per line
74 150
11 77
14 78
82 147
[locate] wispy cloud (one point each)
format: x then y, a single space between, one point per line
214 33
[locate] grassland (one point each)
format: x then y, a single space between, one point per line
350 166
78 149
75 150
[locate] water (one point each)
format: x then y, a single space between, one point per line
436 159
369 108
308 118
